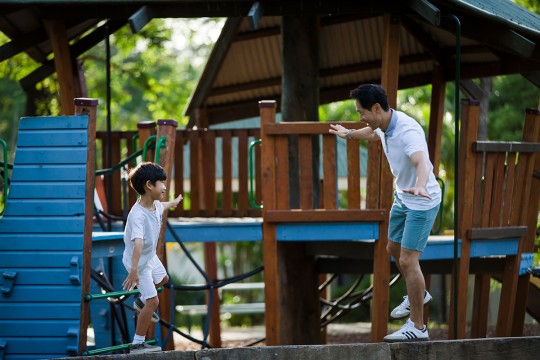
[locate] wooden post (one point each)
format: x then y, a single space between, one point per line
83 106
145 130
436 118
531 132
207 201
467 171
166 128
63 64
270 251
300 102
381 258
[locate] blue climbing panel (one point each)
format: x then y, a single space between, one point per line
42 238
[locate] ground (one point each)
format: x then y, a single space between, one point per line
337 334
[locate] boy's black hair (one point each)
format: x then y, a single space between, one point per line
146 171
368 95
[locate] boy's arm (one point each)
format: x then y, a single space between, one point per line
132 279
172 204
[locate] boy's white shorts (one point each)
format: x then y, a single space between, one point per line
152 273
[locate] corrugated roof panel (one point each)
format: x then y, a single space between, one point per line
504 11
258 94
250 61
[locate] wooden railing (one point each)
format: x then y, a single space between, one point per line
295 140
498 203
206 194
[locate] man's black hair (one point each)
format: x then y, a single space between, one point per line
368 95
146 171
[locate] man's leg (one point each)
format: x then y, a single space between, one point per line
410 269
394 249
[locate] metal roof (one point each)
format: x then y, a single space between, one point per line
498 37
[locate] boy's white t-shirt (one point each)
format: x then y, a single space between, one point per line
144 224
405 138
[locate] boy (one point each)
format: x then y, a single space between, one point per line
145 270
416 198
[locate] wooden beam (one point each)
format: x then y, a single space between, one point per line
497 146
470 88
140 18
494 36
63 64
426 10
438 91
357 215
272 292
167 129
23 42
29 81
497 232
533 77
87 107
300 102
219 52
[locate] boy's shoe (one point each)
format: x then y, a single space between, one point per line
138 305
143 348
404 309
408 332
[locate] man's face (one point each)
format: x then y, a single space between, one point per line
372 117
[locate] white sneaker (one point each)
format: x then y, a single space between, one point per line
408 332
404 309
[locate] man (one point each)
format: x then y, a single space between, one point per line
417 197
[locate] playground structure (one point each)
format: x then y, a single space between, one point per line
334 240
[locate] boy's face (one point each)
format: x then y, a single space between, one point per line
156 191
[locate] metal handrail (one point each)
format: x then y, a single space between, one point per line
441 207
147 145
114 294
161 143
251 170
120 165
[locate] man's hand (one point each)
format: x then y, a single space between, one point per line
338 130
417 191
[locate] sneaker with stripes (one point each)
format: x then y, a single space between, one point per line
408 332
404 309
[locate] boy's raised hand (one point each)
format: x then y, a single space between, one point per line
174 203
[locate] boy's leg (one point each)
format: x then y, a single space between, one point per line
145 316
148 298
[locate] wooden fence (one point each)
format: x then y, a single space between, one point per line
207 194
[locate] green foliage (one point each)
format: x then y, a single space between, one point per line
531 5
150 80
510 97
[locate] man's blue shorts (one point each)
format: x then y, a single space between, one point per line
410 228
